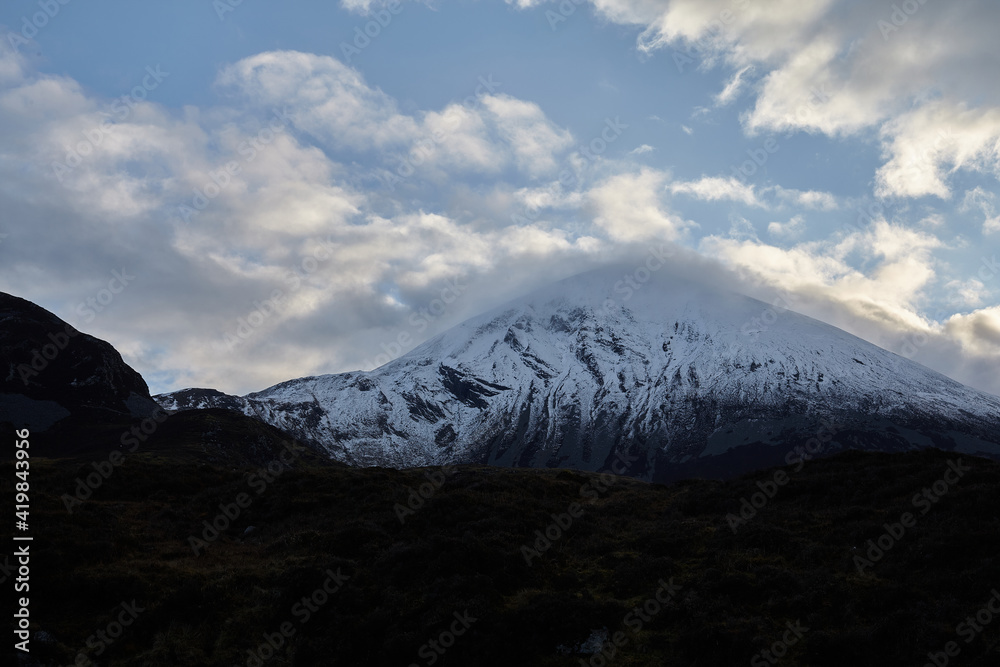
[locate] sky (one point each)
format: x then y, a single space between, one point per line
235 193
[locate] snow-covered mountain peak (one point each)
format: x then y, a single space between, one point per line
583 369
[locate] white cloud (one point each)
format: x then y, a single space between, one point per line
873 283
553 195
365 7
985 202
525 4
335 105
534 140
463 141
968 292
331 101
741 229
307 195
936 137
628 208
978 332
289 218
902 265
811 199
789 229
645 148
712 188
833 67
733 88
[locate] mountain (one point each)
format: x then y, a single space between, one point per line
659 379
55 372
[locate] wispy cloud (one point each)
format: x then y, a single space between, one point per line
713 188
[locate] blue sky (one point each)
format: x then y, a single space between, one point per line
350 186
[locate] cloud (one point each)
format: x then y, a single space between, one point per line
628 208
645 148
733 88
986 203
365 7
968 292
901 266
337 108
331 100
489 192
810 199
710 188
872 282
261 209
977 332
923 144
844 68
788 229
535 141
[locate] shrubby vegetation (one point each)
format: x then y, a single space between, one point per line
462 552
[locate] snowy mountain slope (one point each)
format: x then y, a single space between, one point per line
677 375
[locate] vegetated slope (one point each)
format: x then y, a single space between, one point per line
471 547
688 379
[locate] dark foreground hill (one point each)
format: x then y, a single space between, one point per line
54 374
310 563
